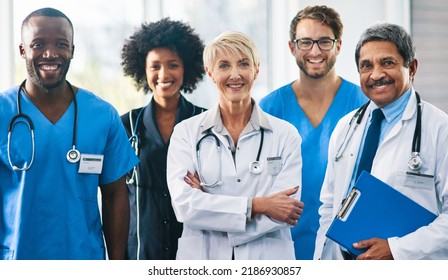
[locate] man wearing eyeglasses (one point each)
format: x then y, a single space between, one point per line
313 104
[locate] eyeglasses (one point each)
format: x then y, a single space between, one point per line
307 44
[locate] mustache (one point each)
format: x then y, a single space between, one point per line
381 82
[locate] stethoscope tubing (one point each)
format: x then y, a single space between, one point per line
22 117
415 161
254 167
218 181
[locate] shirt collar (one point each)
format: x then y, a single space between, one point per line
257 119
396 108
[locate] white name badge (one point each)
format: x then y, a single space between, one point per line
92 164
419 180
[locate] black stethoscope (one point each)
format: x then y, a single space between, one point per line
415 162
255 167
72 156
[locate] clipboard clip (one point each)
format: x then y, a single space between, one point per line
347 203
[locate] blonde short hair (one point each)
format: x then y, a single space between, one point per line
231 43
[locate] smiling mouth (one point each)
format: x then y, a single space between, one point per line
164 84
235 86
315 61
49 67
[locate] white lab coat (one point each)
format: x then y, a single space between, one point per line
390 165
215 220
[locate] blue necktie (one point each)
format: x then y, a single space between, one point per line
371 142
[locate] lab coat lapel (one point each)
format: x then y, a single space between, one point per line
408 114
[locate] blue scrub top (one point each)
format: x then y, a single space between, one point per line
283 104
51 210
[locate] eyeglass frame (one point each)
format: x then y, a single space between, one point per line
295 41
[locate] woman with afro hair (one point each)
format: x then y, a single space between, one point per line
165 58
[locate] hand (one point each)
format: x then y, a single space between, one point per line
377 249
279 206
193 180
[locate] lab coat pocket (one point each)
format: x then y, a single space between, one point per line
279 249
191 248
268 248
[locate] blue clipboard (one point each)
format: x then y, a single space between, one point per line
375 209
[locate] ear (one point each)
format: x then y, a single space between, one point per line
338 46
292 47
22 51
413 69
209 73
73 51
257 70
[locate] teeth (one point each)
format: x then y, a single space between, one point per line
49 67
379 86
165 84
316 61
235 86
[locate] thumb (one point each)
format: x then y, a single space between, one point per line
291 191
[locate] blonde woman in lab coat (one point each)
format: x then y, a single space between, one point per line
234 172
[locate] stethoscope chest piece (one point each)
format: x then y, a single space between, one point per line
255 167
415 162
73 155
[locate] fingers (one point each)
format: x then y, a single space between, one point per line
363 244
290 191
192 180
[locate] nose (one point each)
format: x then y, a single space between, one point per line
162 72
377 73
50 52
234 73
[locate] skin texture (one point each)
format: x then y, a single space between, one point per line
164 74
314 63
47 47
383 76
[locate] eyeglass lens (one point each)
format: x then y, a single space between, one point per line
307 44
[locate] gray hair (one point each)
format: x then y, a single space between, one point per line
392 33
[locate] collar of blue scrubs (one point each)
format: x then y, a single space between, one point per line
214 120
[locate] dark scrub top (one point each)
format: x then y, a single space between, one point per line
154 218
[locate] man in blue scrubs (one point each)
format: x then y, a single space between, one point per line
313 104
64 143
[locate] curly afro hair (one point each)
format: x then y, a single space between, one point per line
174 35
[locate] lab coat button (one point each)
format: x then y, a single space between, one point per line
238 180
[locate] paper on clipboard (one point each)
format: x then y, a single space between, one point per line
375 209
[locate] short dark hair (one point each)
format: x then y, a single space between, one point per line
321 13
166 33
46 12
392 33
